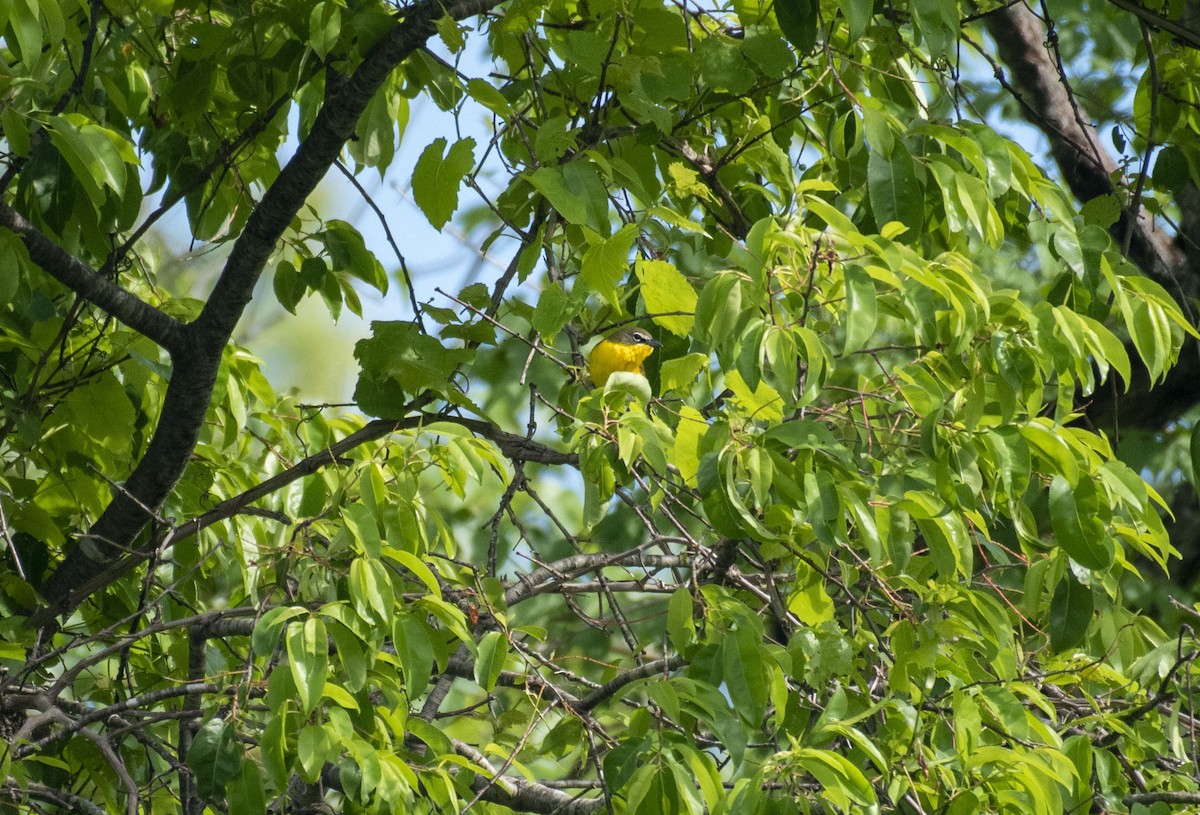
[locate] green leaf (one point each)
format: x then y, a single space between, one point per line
1070 612
1047 441
1171 169
288 285
802 434
1151 332
1102 211
551 313
398 359
688 435
269 626
313 748
16 131
937 21
685 181
324 27
599 481
1108 350
363 525
762 403
857 14
810 602
215 758
371 590
627 384
606 262
24 20
348 252
718 309
893 189
415 652
576 193
680 373
656 788
487 95
489 659
436 178
666 291
798 21
274 746
308 658
681 624
101 411
554 139
622 761
450 32
944 532
782 368
745 673
375 134
1078 526
244 795
842 783
352 654
861 313
93 154
417 567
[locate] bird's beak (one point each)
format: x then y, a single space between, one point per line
654 343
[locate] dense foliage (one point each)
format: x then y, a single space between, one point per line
864 538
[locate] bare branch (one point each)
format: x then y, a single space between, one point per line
659 666
521 795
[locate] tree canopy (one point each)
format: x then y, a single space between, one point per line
884 528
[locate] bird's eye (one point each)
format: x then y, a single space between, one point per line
639 336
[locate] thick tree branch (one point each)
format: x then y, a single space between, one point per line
519 794
144 700
609 689
197 356
91 286
1089 172
1087 167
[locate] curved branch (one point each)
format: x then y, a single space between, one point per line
56 797
197 353
90 285
605 692
519 794
514 447
331 129
150 698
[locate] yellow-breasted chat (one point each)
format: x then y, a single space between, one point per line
623 350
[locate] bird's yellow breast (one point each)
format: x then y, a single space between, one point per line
608 357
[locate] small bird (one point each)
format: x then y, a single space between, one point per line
623 350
